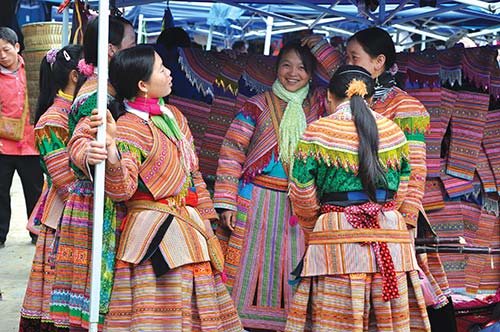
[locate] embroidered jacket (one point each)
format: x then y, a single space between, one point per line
251 144
151 165
51 135
412 118
326 162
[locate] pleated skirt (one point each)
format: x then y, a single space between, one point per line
353 302
188 298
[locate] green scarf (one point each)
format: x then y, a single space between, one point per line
293 123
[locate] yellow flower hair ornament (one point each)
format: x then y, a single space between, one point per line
356 87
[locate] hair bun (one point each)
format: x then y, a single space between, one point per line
356 87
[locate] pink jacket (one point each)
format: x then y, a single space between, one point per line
13 88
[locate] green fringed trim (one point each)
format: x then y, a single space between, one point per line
227 84
390 159
125 147
49 142
413 125
84 109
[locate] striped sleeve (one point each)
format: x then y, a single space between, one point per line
51 144
414 120
328 57
303 192
232 158
78 143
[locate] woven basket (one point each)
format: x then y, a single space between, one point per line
38 39
42 35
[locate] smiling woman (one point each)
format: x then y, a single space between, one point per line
264 242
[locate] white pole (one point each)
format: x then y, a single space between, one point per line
269 31
65 30
102 101
139 29
209 38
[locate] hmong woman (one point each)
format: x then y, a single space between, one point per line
71 290
251 190
164 279
59 80
373 49
350 175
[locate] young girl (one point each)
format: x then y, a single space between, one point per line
59 81
164 278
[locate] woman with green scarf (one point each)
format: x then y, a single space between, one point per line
264 243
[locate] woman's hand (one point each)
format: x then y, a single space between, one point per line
96 121
228 219
95 151
311 40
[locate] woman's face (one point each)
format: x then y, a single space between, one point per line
292 72
357 56
160 82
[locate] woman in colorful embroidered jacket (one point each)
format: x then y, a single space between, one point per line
265 242
70 292
350 175
164 279
59 81
373 49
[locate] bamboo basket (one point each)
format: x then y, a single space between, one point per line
38 39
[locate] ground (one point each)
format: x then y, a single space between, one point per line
15 262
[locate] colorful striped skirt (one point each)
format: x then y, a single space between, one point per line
353 302
188 298
262 251
70 297
35 312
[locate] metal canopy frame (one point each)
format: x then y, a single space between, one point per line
478 20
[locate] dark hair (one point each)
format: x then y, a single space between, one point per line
8 35
116 33
370 170
239 44
376 41
55 76
304 53
126 69
174 37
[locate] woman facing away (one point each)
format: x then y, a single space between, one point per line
373 49
71 289
59 81
265 242
349 178
166 277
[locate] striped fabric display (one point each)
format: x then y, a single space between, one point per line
477 65
423 69
467 128
222 112
491 143
471 214
485 172
431 98
495 79
259 73
449 221
197 112
481 277
201 68
456 187
450 62
433 197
